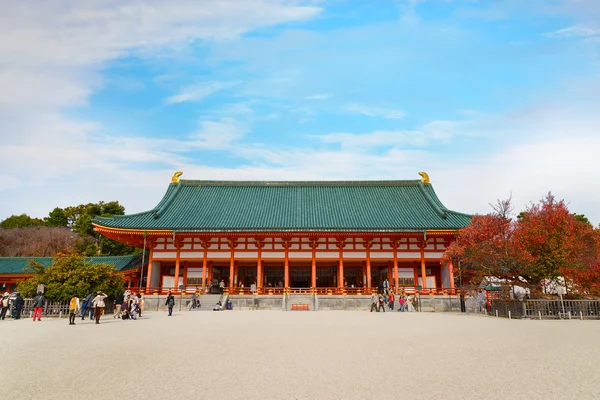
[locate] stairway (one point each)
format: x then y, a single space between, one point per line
208 301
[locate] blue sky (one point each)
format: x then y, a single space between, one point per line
106 99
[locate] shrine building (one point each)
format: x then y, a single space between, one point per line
322 237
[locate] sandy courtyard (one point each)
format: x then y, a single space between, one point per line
301 355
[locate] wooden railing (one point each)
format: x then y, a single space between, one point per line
278 291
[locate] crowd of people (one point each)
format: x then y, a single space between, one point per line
385 297
128 305
12 304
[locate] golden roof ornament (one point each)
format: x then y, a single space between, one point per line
176 175
424 177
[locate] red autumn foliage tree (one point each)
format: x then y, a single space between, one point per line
486 248
584 279
555 239
545 242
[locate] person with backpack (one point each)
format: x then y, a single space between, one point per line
73 308
170 303
38 306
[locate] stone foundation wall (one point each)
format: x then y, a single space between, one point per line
265 302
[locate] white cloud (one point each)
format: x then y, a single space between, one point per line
576 31
198 92
52 56
376 111
320 96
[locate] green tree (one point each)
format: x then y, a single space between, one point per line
57 217
71 274
20 221
79 220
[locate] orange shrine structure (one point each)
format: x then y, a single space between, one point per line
321 237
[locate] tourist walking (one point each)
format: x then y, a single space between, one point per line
98 304
193 302
19 303
4 305
73 307
391 299
381 305
119 298
170 303
38 306
140 304
86 307
374 302
401 302
221 286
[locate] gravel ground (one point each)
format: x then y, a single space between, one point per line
300 355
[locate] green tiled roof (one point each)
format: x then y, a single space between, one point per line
213 206
16 265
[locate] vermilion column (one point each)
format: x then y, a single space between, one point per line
368 245
396 284
286 268
313 270
423 276
232 244
231 268
176 284
204 264
313 267
340 244
149 273
259 271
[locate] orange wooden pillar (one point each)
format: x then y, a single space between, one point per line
313 267
204 265
340 244
369 266
149 274
286 268
341 271
259 270
232 245
231 269
176 283
396 284
286 263
210 272
423 272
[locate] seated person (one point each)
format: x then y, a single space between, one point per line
217 306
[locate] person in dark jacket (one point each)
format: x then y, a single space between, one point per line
19 303
170 303
87 307
38 306
118 304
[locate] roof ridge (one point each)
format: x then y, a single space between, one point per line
189 182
